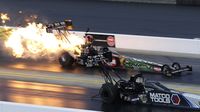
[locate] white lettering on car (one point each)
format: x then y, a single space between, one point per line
160 98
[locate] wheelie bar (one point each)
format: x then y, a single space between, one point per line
187 68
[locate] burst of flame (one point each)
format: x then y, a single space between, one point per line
34 42
4 17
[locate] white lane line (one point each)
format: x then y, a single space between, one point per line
19 107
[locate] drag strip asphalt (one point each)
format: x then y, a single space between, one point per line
81 80
66 96
110 17
32 80
44 65
46 83
48 94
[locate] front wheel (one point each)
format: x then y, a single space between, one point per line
109 93
176 66
166 70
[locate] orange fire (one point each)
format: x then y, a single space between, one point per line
4 17
34 42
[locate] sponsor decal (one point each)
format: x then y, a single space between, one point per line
175 99
89 38
165 98
102 40
111 41
160 98
129 63
157 69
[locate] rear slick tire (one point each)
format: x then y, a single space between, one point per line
66 60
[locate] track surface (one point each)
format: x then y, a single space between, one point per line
111 17
186 77
79 97
65 96
156 20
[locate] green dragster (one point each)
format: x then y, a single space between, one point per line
148 66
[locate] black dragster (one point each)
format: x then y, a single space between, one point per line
138 91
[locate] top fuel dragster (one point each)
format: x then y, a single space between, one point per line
137 90
97 44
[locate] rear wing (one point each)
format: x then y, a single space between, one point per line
65 25
103 40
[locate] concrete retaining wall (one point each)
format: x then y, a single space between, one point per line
155 45
160 45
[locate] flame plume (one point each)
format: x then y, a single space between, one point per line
4 17
34 42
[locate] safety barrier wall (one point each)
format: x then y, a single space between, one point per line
156 45
17 107
172 46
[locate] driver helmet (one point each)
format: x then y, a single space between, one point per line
137 79
89 39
